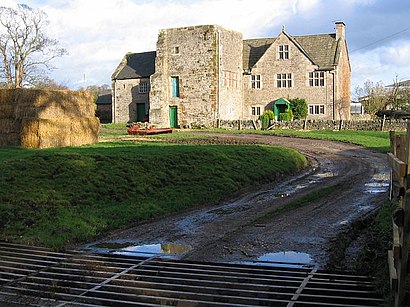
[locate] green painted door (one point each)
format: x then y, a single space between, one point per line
173 117
140 112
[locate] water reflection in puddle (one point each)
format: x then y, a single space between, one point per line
144 250
378 184
150 249
284 259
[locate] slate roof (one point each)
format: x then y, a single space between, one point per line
254 49
136 65
104 98
321 49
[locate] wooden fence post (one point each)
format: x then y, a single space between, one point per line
399 159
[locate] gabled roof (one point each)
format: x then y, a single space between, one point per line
135 65
321 49
254 49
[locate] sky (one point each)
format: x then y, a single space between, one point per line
98 33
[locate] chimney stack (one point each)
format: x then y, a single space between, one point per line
340 30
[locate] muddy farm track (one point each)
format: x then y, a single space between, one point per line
250 228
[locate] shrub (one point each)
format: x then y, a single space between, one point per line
286 116
270 114
299 108
264 118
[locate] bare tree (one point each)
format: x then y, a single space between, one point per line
398 95
97 90
25 49
47 83
373 97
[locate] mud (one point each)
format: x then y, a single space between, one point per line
232 231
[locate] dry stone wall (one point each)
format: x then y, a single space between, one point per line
375 125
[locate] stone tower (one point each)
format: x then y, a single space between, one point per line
198 77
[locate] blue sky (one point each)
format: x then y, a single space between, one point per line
97 33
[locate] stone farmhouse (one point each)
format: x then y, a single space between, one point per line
201 75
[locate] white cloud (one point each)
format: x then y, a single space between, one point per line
97 33
7 3
381 64
397 55
359 2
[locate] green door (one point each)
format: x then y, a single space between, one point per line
140 112
173 117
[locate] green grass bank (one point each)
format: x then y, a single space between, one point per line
57 197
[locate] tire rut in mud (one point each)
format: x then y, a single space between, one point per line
232 231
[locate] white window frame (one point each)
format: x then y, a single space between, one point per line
317 79
283 52
143 88
256 81
284 80
317 109
256 110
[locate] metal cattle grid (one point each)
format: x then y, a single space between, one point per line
33 276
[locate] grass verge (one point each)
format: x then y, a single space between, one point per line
374 140
55 197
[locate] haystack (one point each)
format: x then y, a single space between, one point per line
41 119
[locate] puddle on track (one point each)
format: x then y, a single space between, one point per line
289 259
143 250
379 183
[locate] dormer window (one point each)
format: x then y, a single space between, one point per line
283 52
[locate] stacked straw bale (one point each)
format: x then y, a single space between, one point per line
41 119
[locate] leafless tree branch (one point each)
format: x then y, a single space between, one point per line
24 46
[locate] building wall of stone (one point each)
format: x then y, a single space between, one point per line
126 96
299 66
343 98
230 75
190 54
199 56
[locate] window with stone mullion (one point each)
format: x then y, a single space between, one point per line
256 81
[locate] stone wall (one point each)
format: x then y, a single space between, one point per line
375 125
196 56
189 54
125 99
230 75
